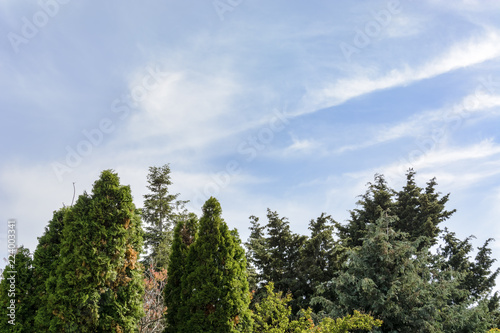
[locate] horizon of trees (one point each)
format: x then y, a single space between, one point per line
390 268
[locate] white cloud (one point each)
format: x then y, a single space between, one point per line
423 124
464 54
301 146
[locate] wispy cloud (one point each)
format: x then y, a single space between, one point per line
460 55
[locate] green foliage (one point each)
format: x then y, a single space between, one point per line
45 260
319 260
184 236
160 212
99 282
356 321
276 254
389 277
377 199
419 211
272 314
17 292
215 295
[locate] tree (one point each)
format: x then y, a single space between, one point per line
99 282
154 304
184 236
389 277
420 211
377 199
276 254
318 261
17 294
45 261
272 314
160 212
216 288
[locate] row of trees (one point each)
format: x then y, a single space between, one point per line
390 261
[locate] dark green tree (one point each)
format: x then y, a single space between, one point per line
17 294
276 255
99 282
390 278
318 261
377 199
216 287
45 261
183 238
471 302
161 211
420 211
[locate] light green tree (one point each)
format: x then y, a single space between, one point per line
99 282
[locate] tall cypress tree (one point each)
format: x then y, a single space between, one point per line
99 282
216 295
45 261
183 238
17 294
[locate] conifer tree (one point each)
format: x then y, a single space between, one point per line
318 259
420 211
390 278
45 261
160 212
216 287
17 294
276 255
99 282
377 199
183 237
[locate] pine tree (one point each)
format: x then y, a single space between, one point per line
216 287
17 294
160 212
183 238
45 260
99 282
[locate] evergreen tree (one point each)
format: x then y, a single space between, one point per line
99 282
377 199
45 260
216 288
389 277
420 211
17 294
477 279
318 259
276 255
160 212
183 238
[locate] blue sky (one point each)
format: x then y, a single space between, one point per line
285 105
